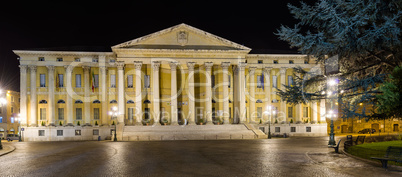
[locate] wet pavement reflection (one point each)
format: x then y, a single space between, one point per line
296 156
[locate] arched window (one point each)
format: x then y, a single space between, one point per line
78 101
130 102
147 102
113 101
96 101
61 101
259 101
42 102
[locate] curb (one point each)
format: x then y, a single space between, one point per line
9 149
371 162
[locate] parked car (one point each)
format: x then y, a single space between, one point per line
11 137
367 130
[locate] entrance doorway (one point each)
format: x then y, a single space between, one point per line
396 128
344 129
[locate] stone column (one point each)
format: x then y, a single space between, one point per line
225 99
104 116
208 92
155 90
299 114
50 101
242 85
173 94
322 111
69 102
138 93
190 93
33 99
282 73
267 89
252 99
120 94
87 97
23 95
314 112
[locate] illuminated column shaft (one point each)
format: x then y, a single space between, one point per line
267 87
208 92
23 95
173 93
252 99
121 101
282 72
191 96
156 101
87 99
242 85
103 72
314 112
69 102
138 92
225 66
33 100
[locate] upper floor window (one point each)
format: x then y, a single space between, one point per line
275 61
112 61
291 61
259 61
59 59
42 80
95 60
41 59
77 59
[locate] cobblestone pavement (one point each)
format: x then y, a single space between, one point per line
296 156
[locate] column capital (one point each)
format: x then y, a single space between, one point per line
208 65
252 69
23 68
137 64
50 68
242 65
32 68
173 65
191 65
103 69
225 65
120 65
69 68
267 70
282 70
86 68
156 65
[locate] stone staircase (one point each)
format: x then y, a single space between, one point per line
190 132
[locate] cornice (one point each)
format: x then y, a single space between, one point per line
62 53
276 56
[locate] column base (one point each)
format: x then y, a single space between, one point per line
87 125
298 122
69 125
105 125
52 125
33 125
313 122
156 124
138 124
174 123
226 122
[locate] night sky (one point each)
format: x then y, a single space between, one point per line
33 24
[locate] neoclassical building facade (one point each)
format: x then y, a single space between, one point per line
180 76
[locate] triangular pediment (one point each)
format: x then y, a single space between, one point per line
181 37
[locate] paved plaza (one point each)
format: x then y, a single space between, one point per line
295 156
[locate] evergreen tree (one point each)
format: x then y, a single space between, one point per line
365 35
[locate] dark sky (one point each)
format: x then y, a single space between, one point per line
35 24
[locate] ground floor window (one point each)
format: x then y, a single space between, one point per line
308 129
292 129
77 132
41 132
277 129
59 132
95 132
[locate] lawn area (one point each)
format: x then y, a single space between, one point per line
379 149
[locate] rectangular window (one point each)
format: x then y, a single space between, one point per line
277 129
96 80
1 119
229 81
96 113
146 81
95 60
274 81
259 61
260 81
259 112
290 80
61 113
41 59
113 81
77 59
95 132
77 132
291 61
290 111
292 129
42 80
305 111
59 59
42 113
78 113
306 61
61 80
59 132
112 61
41 132
12 109
12 98
78 80
130 81
308 129
130 113
12 119
275 61
213 81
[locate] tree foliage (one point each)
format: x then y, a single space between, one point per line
366 37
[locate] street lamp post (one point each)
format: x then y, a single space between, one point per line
18 119
331 115
114 113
